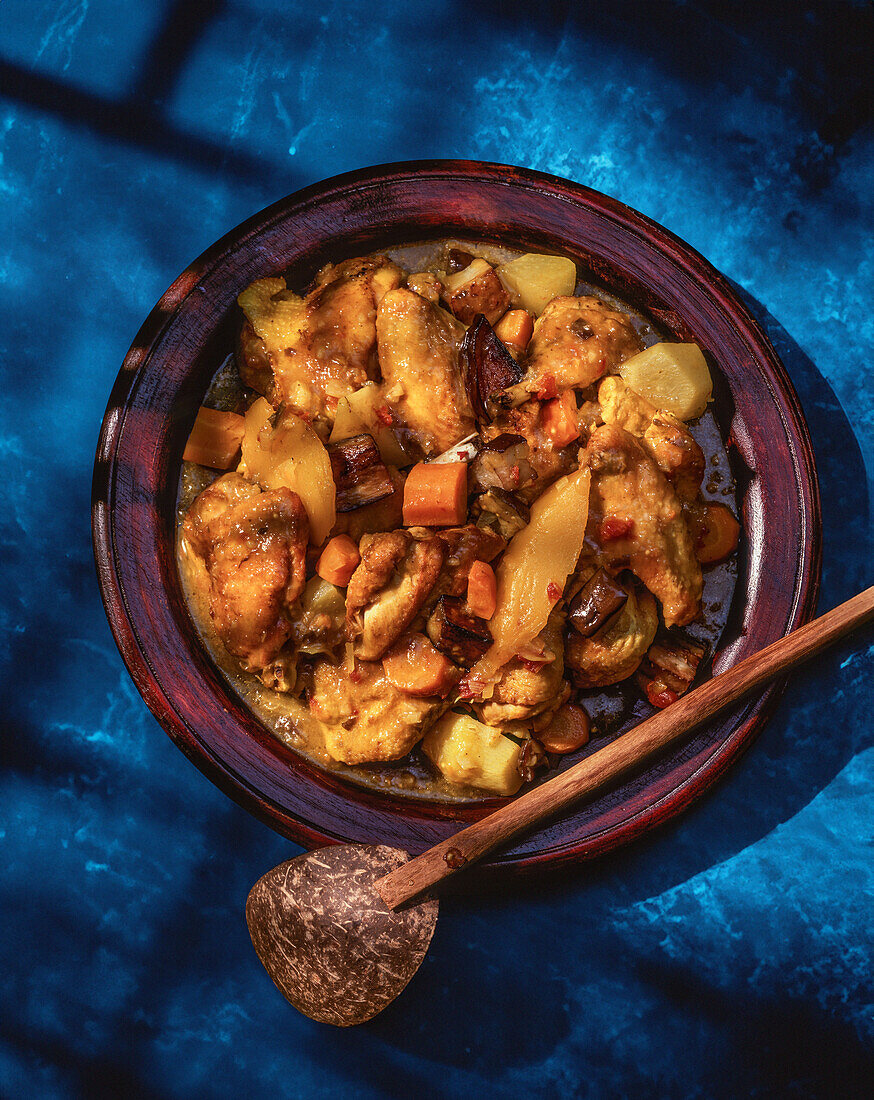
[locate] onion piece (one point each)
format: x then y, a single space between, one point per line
465 450
540 558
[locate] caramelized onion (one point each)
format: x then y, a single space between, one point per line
596 602
488 367
462 636
360 475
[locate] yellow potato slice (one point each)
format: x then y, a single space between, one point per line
674 377
533 280
281 449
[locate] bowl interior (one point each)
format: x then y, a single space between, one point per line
190 332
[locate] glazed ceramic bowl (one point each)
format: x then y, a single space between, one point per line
192 329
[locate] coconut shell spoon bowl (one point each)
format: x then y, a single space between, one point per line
342 930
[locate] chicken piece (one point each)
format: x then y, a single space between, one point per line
669 668
665 438
393 580
309 352
280 673
210 505
677 454
615 651
532 689
254 548
426 284
419 346
575 342
636 520
364 717
476 289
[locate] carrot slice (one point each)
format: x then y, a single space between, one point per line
338 561
482 590
560 420
515 327
720 534
435 494
215 439
415 667
568 730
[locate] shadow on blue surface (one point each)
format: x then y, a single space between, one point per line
768 1043
723 42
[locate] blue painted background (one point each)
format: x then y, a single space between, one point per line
728 955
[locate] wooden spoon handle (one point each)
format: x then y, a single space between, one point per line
623 754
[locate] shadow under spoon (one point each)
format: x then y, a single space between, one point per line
335 928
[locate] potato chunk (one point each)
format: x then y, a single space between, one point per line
533 280
674 377
281 449
475 755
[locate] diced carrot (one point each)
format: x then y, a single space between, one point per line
415 667
560 420
215 439
435 494
515 328
720 534
482 590
338 561
568 730
548 388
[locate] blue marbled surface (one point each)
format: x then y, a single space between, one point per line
728 955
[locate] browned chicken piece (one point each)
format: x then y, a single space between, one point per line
419 346
669 668
636 520
614 651
364 717
426 284
211 504
254 550
476 289
575 342
393 580
532 689
309 352
665 438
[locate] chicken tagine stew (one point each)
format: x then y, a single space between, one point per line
461 498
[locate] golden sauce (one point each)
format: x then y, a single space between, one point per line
289 719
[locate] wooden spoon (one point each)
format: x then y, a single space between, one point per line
329 925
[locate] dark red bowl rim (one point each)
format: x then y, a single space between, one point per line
166 371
